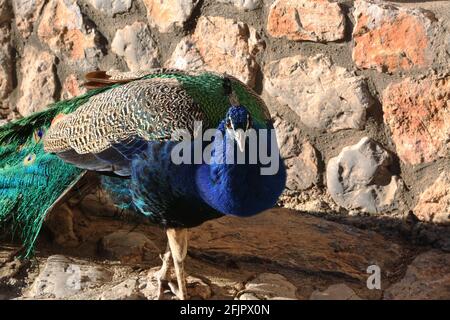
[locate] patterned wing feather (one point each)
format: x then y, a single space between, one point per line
106 131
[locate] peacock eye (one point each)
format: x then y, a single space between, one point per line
29 159
38 134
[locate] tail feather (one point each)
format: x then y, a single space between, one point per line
32 181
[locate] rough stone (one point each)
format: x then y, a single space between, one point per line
37 86
265 241
128 247
418 115
335 292
111 7
434 202
6 70
136 45
5 11
300 157
72 87
167 14
68 34
303 170
99 204
311 20
62 277
390 38
427 278
60 223
197 288
221 45
325 96
359 178
186 56
244 4
126 290
268 286
226 253
10 268
26 13
6 67
314 199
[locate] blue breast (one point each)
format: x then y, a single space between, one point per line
186 195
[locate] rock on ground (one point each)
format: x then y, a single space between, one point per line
62 277
268 286
335 292
359 178
427 277
128 247
60 224
279 254
126 290
308 251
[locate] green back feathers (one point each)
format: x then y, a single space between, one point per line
207 89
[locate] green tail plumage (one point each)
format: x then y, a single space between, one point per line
31 181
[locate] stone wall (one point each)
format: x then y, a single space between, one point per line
359 90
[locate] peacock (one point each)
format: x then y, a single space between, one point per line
129 128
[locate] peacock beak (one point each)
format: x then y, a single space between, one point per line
239 136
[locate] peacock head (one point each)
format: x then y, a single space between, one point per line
237 122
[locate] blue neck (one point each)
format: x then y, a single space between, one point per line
240 189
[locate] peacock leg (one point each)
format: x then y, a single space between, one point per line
178 239
164 273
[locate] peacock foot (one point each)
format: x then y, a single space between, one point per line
155 287
196 289
178 294
173 269
167 289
